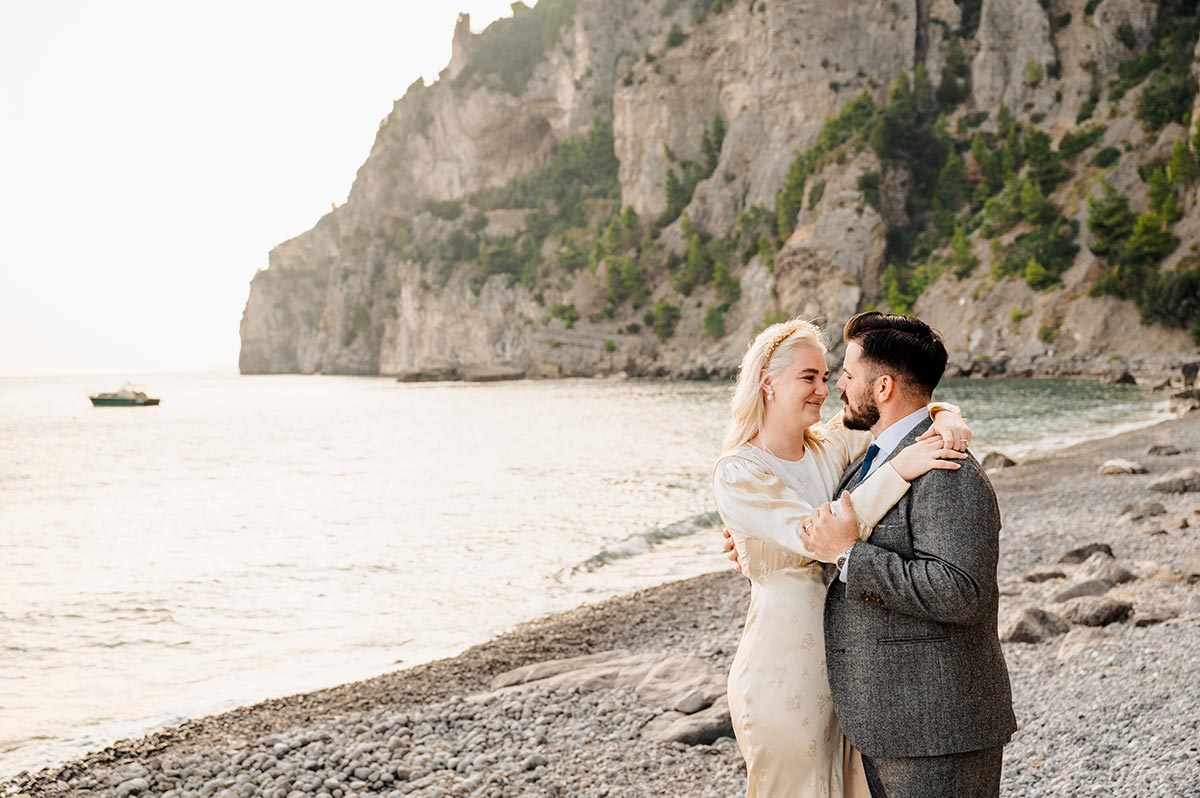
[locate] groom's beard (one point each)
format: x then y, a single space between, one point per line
860 418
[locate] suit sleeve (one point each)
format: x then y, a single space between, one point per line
755 503
951 577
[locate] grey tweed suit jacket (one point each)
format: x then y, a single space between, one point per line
915 663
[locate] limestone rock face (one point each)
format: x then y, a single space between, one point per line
775 74
1012 35
281 330
835 255
366 291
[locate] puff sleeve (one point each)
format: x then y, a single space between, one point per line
755 503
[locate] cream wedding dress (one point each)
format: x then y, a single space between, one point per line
778 686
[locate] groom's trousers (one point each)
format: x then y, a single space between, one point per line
975 774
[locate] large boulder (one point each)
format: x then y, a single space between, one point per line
1030 625
1086 587
1081 553
1100 567
1185 481
1044 574
690 691
1143 509
1118 466
578 669
1121 378
997 460
671 680
1094 611
1155 616
701 728
660 681
1079 640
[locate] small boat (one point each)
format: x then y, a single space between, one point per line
128 396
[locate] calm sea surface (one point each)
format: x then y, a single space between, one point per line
260 536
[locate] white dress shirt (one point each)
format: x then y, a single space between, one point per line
887 441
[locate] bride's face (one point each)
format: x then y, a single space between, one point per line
800 389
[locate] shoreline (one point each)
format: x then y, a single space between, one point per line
1053 502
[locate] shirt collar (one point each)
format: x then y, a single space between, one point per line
890 438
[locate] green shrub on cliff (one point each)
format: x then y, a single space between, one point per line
1181 166
501 257
1168 57
571 256
1172 299
1052 246
1035 208
696 268
676 195
678 189
1125 35
1106 157
708 8
1138 258
1075 142
714 321
625 281
956 73
711 143
1109 221
663 318
1037 277
725 284
1151 240
462 247
1043 165
1168 98
581 168
854 118
961 256
567 313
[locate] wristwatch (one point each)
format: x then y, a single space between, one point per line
840 562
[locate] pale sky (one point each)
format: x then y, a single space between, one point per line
152 152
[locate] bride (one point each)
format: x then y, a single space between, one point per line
780 462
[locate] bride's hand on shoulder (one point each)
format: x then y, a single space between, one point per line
924 456
951 429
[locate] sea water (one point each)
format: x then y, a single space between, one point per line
259 536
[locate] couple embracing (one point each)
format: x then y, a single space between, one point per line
870 663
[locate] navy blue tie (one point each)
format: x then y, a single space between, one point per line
872 450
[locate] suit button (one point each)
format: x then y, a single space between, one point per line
872 599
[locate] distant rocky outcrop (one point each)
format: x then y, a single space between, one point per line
596 187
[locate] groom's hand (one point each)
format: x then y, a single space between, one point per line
827 535
731 551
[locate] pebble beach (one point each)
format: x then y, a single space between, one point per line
1100 611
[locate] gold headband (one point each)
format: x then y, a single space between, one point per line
775 345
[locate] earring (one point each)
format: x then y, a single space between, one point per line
770 395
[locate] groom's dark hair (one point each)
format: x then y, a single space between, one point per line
907 347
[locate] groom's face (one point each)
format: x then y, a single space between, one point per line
856 384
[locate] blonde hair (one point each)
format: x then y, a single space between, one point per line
771 350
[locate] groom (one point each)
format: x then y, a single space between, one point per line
918 677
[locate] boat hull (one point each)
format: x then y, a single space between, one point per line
98 401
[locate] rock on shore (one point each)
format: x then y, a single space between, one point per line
1100 584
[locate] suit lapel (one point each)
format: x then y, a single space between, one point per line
850 475
850 478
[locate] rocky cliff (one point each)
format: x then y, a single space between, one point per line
594 186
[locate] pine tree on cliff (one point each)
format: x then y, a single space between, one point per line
1109 220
